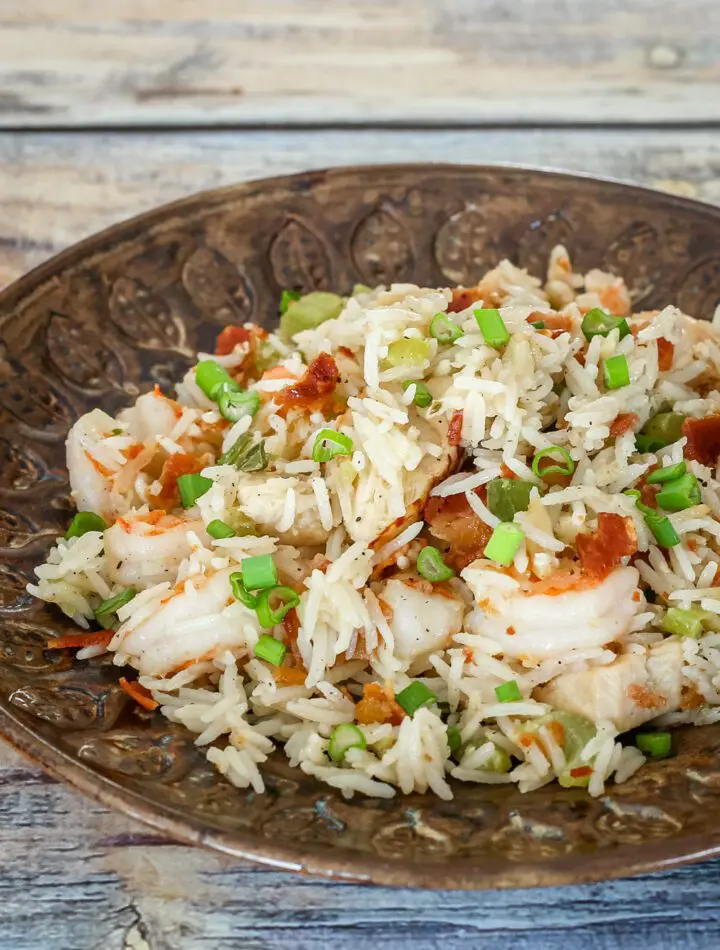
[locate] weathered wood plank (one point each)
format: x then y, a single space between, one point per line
56 189
73 875
80 63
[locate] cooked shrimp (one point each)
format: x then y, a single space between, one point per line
143 549
421 618
536 627
200 618
633 689
96 454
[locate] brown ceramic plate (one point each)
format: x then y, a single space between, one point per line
128 308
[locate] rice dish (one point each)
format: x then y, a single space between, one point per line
415 535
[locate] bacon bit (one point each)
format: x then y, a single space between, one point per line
229 338
703 439
557 731
636 596
452 520
291 623
378 705
601 552
643 697
469 655
142 696
314 389
666 352
72 640
581 771
463 297
506 472
455 428
174 466
510 631
623 423
290 675
98 466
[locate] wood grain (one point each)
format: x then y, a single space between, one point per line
183 62
73 875
58 188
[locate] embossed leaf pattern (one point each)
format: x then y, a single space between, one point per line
81 354
540 237
465 245
35 402
71 706
634 254
699 290
217 287
139 754
21 467
382 249
299 259
145 317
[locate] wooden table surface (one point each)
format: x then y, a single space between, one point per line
103 116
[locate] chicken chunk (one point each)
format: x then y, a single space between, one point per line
633 689
422 619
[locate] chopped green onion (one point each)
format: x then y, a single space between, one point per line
444 329
655 744
598 323
679 494
105 613
192 487
329 443
414 697
241 593
662 430
210 376
310 311
344 737
507 496
508 692
268 615
246 455
83 522
269 649
567 469
117 432
567 780
659 525
422 397
666 474
685 623
454 741
361 289
538 324
499 761
218 529
616 372
431 566
662 529
242 525
492 326
234 405
504 544
411 352
288 297
259 573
